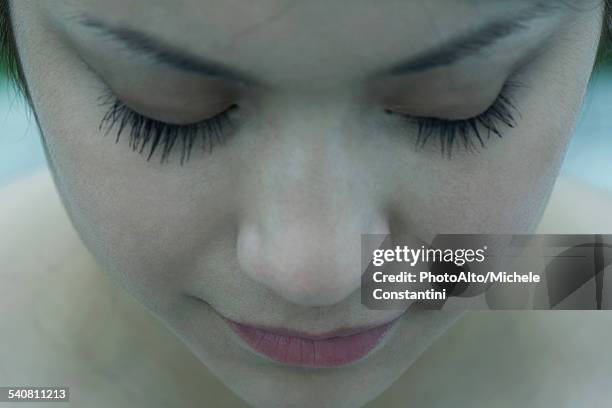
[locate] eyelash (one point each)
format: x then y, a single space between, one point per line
144 130
501 113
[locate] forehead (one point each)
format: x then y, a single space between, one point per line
282 36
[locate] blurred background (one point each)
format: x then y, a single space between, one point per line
21 151
589 157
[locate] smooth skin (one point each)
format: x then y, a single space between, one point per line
67 323
266 228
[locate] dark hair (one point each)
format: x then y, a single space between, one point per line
604 52
9 54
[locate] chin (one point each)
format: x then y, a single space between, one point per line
313 389
261 382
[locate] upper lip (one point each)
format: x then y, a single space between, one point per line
340 332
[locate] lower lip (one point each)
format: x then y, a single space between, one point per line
331 351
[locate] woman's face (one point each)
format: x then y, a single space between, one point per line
301 120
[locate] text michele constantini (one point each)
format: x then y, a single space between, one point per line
441 278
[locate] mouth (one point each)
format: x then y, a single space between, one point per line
332 349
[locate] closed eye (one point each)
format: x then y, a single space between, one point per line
148 133
472 132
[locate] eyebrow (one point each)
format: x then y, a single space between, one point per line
446 54
144 44
473 42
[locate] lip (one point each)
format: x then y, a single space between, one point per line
332 349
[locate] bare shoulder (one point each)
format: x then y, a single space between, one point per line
37 239
40 254
576 207
36 230
64 321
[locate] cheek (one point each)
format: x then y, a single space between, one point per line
147 229
504 196
147 224
503 188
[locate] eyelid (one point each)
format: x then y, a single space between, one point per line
179 116
502 112
176 102
146 131
449 98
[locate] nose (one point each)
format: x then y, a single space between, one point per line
307 261
305 209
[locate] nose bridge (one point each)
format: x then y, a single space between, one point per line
304 213
302 166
